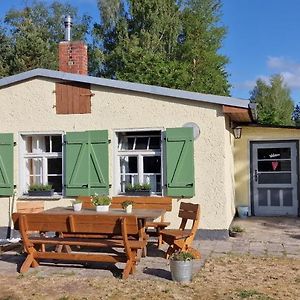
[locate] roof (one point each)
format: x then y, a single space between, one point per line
124 85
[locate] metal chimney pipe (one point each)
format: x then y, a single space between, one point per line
68 24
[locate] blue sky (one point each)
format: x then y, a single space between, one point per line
263 39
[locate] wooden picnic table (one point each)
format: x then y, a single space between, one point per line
142 215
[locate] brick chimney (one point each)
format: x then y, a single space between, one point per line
73 56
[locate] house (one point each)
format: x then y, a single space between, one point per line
87 135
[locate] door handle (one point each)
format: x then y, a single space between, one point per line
255 175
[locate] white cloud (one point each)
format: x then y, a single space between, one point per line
287 68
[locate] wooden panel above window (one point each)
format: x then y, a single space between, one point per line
73 98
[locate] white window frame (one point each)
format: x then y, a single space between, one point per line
23 156
139 153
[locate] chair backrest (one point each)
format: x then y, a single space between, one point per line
30 206
189 211
164 203
75 223
86 201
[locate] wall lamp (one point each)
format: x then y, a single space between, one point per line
237 132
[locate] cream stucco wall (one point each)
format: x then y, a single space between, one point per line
30 106
242 156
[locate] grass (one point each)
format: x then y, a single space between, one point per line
253 294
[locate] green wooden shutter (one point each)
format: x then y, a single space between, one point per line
87 163
6 164
180 162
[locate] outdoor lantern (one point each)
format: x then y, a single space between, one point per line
237 132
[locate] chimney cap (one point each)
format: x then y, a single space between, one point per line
68 24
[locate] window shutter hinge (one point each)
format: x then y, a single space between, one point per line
110 185
15 186
109 141
15 143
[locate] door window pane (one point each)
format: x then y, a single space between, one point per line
275 197
262 197
274 178
274 153
274 166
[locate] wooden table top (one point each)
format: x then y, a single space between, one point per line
139 213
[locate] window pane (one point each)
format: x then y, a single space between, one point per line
274 165
54 166
128 164
152 164
47 143
128 179
154 181
34 166
274 178
141 143
28 144
56 143
56 182
127 143
274 153
154 142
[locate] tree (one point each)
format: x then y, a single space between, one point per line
5 49
274 103
34 34
163 42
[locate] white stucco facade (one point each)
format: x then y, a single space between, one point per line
29 106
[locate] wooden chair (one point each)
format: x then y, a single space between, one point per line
164 203
30 206
181 239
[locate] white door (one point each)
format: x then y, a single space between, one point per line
274 178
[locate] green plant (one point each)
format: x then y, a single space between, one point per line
100 200
236 228
182 256
138 187
77 201
40 187
126 203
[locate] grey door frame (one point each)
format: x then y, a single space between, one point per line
251 168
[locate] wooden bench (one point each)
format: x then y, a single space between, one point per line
84 226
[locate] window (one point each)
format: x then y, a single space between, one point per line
139 159
41 160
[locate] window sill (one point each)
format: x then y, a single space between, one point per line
52 198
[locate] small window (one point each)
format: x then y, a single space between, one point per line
42 161
139 156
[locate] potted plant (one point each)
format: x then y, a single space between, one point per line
138 189
127 205
77 205
181 266
37 190
101 202
235 231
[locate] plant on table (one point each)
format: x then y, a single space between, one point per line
102 202
127 205
181 265
77 205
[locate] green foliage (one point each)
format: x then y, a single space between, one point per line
182 256
138 187
32 35
40 187
236 228
126 203
163 42
274 103
296 115
100 200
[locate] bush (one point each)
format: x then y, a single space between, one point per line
182 256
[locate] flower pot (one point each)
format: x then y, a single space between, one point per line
181 271
102 208
243 211
138 193
41 193
77 206
128 209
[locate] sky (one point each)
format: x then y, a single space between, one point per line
263 38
